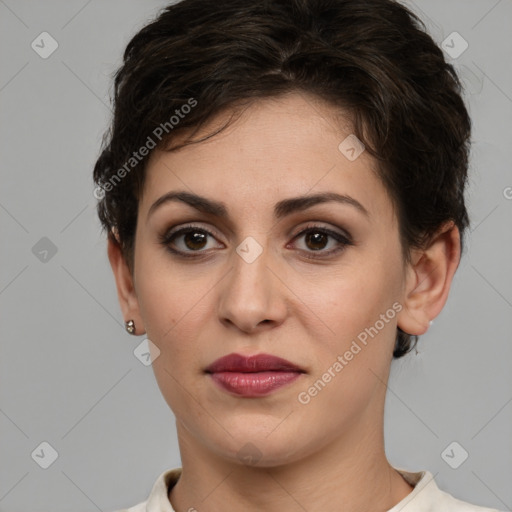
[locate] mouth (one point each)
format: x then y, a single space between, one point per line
252 364
253 376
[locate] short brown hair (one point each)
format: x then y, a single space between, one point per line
371 58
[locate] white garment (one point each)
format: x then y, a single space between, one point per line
425 497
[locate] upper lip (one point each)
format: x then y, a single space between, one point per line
251 364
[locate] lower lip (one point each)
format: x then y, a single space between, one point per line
253 384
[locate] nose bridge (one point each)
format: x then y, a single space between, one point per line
250 272
249 295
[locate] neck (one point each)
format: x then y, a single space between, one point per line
352 470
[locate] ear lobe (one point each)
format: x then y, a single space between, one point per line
124 283
428 280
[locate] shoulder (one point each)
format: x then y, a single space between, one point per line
428 497
449 502
158 500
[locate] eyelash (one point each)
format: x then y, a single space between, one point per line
169 236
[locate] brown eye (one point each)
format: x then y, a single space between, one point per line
194 240
187 241
317 238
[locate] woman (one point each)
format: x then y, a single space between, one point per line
284 200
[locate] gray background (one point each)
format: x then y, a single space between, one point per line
68 373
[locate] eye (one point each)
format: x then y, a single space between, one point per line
192 241
188 239
316 239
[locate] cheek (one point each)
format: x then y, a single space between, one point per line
351 364
170 301
360 307
175 307
355 298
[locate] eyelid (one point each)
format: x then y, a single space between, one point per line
321 225
167 234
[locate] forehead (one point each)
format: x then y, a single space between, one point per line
278 147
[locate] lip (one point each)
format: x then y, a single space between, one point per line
252 376
251 364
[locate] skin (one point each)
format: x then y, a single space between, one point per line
308 311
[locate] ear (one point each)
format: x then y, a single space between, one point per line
428 280
125 286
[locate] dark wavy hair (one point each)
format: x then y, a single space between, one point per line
372 59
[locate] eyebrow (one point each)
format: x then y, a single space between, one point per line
281 209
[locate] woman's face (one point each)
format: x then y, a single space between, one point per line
257 284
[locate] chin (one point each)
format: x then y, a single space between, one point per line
261 449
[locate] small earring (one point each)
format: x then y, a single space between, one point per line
130 326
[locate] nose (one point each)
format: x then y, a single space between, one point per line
252 296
